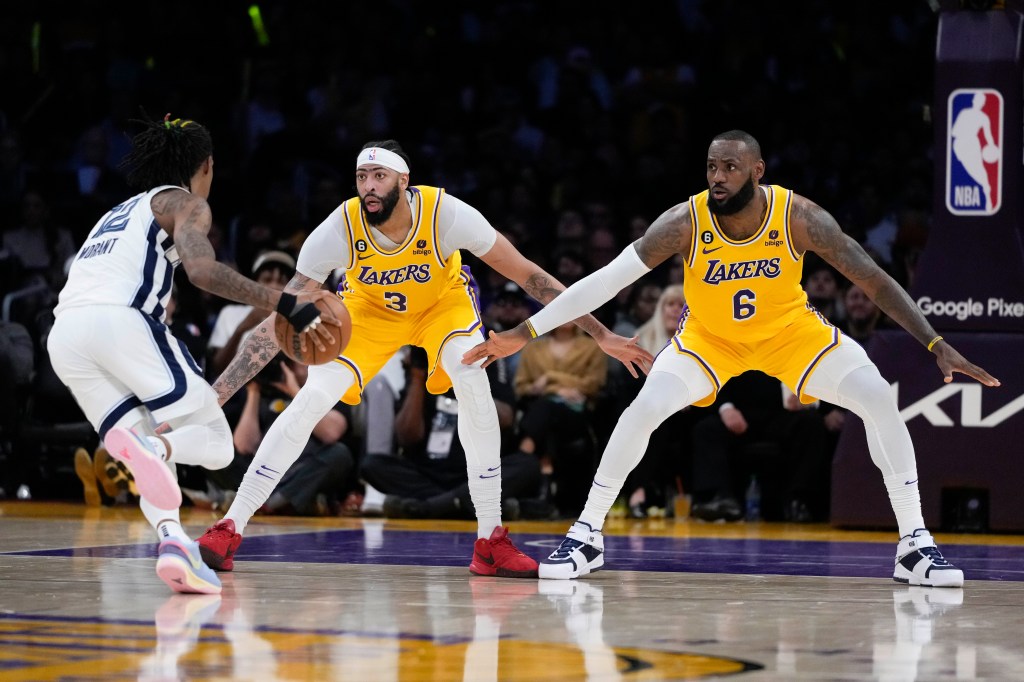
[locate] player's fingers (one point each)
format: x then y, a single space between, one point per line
980 375
317 341
324 334
630 368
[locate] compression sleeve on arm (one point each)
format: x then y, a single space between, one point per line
591 292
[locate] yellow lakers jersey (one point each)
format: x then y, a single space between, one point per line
745 290
409 279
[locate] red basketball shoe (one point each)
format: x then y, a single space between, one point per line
498 556
218 545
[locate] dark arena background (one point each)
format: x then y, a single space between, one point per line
571 126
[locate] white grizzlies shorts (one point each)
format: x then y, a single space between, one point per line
117 360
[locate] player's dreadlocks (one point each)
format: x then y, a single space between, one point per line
167 152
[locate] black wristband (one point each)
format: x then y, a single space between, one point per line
286 304
303 315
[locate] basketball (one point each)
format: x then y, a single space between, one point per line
990 154
288 338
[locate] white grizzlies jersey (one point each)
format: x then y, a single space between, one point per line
127 260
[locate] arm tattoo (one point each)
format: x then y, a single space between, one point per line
259 349
200 260
301 283
542 287
170 202
667 236
827 239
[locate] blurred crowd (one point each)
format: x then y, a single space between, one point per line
570 125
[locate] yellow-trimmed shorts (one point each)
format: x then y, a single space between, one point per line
378 334
790 356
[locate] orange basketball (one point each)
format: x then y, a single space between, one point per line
288 338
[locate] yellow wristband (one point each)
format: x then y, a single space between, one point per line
931 344
533 332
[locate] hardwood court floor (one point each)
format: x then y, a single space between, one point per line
393 601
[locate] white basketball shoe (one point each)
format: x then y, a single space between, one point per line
919 562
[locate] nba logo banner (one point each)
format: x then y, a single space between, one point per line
974 152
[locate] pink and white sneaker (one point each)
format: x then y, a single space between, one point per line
153 478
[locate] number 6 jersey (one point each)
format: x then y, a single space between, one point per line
747 290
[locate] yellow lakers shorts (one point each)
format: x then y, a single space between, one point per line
790 356
378 334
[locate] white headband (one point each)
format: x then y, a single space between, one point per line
382 157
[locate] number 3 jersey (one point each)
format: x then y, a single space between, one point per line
749 290
406 280
127 260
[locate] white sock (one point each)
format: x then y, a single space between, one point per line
485 490
602 496
906 501
171 529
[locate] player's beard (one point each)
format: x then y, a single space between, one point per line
737 202
387 207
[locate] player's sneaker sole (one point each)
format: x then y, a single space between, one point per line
183 571
152 477
944 578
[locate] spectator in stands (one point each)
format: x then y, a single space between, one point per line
17 358
39 243
862 315
663 462
558 380
641 304
755 409
822 284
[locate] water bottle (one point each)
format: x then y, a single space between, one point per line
753 500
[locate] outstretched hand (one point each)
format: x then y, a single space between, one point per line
628 353
949 360
497 345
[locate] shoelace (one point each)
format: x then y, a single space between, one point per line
935 555
221 532
505 541
566 548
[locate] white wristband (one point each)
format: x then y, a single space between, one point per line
591 292
725 406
